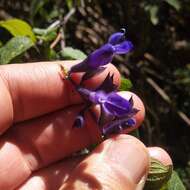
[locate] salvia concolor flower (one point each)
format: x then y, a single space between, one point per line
117 37
112 103
93 64
116 112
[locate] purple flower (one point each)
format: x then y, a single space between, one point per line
112 103
79 121
117 37
104 55
118 125
116 112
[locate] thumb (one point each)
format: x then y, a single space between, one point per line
118 163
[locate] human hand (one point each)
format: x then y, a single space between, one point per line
36 126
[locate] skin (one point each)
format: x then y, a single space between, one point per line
37 137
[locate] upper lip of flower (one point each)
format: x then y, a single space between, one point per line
117 44
117 37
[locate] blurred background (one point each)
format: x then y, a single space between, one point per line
158 69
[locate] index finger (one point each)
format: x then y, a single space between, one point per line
31 90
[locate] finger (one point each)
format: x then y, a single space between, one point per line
52 177
159 154
35 144
42 141
138 104
30 90
118 163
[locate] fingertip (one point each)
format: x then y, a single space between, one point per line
118 163
110 68
132 154
138 104
161 155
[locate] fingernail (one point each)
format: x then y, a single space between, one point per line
129 155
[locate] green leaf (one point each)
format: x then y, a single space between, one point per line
72 54
45 31
18 27
36 5
51 54
158 175
13 48
48 37
174 183
69 3
174 3
47 34
154 14
126 84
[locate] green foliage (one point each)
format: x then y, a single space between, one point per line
126 84
47 10
18 27
157 28
14 47
174 183
45 35
72 54
183 76
51 54
158 175
69 3
73 3
153 11
154 7
184 173
174 3
35 7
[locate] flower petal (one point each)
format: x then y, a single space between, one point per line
117 105
130 122
105 116
118 125
117 38
123 47
92 73
97 97
101 56
111 128
79 121
81 67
